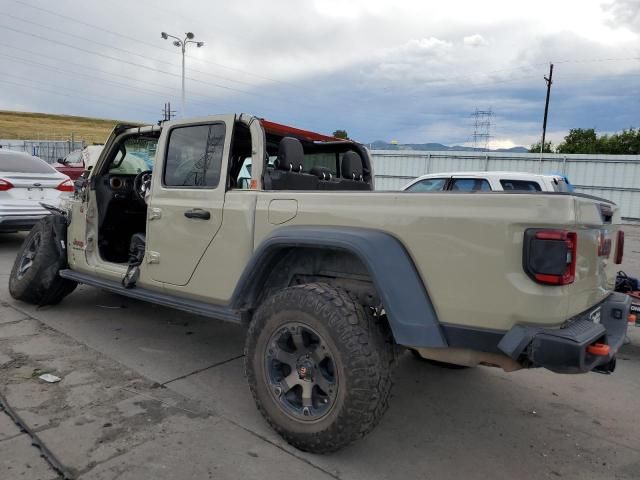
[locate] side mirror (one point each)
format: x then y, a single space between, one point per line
61 160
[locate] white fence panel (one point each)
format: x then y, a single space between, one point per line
614 177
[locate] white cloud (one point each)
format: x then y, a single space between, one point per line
379 69
476 40
624 13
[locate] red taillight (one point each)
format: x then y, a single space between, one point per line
619 247
549 256
5 185
66 186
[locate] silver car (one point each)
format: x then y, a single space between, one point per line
25 181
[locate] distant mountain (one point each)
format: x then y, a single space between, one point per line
437 147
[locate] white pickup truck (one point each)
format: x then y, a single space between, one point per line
489 181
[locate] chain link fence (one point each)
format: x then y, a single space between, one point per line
48 150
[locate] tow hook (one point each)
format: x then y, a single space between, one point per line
607 368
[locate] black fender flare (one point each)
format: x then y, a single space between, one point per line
411 314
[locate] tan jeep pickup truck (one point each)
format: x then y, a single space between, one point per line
329 276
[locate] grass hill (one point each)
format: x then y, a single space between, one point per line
44 126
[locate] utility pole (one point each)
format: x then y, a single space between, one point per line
167 113
546 110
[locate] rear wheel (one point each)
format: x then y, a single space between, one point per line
319 367
34 277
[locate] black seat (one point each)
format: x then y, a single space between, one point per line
352 172
288 174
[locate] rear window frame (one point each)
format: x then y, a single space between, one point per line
482 180
530 182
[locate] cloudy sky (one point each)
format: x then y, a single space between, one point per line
411 71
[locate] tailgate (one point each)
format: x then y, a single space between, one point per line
597 226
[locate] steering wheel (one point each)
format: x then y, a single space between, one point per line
142 184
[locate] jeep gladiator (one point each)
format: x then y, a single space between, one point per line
330 277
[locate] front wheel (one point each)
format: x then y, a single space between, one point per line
34 277
319 366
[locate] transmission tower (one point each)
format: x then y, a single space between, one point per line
481 128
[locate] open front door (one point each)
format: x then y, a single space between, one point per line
188 190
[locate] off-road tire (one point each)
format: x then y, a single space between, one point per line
438 363
363 356
41 284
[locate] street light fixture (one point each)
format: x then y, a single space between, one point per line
182 44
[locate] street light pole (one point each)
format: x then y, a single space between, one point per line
182 44
183 107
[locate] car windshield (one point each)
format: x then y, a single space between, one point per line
73 157
22 163
428 185
136 155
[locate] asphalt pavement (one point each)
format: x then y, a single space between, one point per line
475 423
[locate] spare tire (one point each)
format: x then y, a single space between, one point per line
35 274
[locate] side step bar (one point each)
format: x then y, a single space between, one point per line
191 306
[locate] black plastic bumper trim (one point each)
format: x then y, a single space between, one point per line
564 350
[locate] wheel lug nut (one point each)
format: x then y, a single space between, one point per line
277 391
306 412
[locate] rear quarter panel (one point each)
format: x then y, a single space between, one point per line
466 247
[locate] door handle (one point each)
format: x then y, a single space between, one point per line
198 213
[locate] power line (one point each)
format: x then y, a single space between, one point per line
124 50
143 42
598 60
56 92
67 62
109 57
86 75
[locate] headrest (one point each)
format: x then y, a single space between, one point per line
323 173
290 155
351 166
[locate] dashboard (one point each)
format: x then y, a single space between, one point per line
121 186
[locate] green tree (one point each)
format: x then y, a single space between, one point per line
341 134
626 142
535 148
580 140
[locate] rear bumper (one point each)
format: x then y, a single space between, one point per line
566 350
12 223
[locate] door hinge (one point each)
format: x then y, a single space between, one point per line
153 257
155 213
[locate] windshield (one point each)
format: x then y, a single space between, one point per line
73 157
136 155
